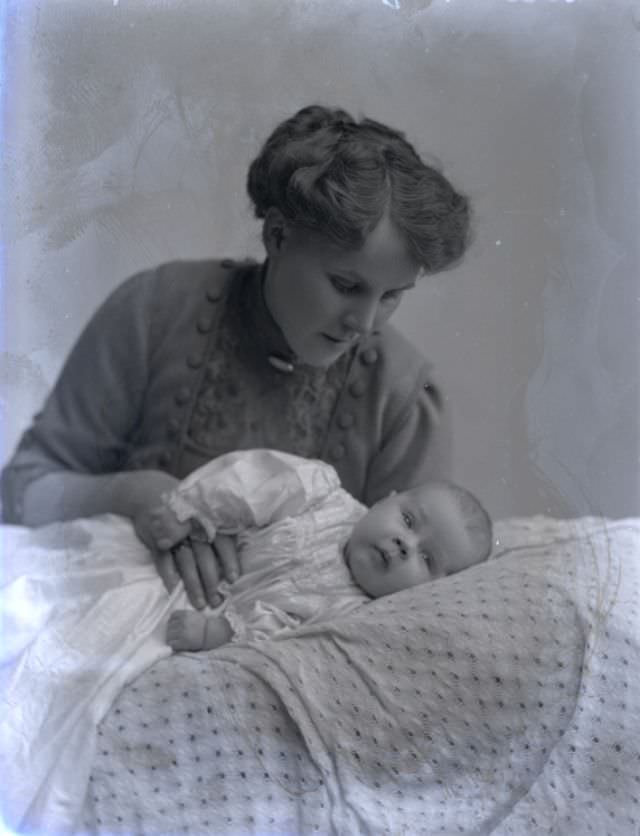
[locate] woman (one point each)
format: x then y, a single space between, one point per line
193 359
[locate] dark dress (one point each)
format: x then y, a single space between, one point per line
173 370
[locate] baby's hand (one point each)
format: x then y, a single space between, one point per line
189 630
186 630
159 527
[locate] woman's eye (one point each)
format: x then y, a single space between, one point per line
343 286
408 520
392 295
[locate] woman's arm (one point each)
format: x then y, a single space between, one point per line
68 463
64 495
87 423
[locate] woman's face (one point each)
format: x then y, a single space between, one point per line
324 297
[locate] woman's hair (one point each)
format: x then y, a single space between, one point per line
331 174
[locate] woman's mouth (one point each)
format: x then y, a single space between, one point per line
340 340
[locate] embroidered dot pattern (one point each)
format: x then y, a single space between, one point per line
499 700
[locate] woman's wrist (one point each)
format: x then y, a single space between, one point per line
137 490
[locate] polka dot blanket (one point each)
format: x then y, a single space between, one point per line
498 701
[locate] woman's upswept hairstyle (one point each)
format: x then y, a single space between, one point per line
331 174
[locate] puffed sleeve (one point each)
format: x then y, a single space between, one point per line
417 449
94 407
251 488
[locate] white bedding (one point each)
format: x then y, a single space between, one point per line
500 700
83 613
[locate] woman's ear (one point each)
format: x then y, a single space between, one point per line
275 231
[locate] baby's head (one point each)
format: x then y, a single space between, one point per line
416 536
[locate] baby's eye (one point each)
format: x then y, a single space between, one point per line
408 519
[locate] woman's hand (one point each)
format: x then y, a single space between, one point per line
202 566
179 550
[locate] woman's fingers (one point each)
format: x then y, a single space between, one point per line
166 567
188 570
207 563
201 566
227 552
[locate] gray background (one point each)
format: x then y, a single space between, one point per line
129 127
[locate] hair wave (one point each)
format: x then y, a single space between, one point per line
334 175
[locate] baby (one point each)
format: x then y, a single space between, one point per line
308 549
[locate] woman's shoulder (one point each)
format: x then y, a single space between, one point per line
169 297
394 377
169 280
397 363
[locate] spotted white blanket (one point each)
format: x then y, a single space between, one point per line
503 700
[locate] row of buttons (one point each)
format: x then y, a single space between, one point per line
205 323
182 397
204 326
346 420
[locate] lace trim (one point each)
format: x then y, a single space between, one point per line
238 627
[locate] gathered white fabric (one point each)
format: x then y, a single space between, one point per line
83 613
293 570
251 487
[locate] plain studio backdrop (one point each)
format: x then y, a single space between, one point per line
128 126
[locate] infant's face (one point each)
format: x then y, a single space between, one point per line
407 539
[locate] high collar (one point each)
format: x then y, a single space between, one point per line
259 326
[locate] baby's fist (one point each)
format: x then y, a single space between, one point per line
186 630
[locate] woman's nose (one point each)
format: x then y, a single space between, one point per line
361 320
